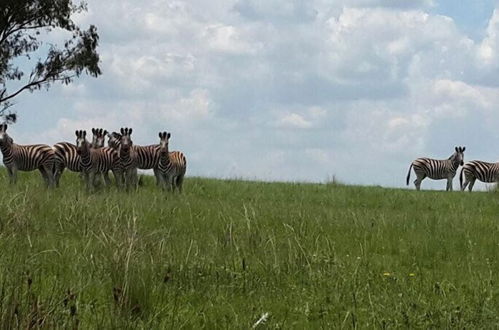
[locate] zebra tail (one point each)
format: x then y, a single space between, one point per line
408 175
461 178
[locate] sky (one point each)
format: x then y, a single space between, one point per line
287 90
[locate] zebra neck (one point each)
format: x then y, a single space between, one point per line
6 150
164 158
125 155
454 164
85 156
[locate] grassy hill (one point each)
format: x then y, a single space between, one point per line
226 252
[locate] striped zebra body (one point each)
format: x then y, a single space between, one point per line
128 159
66 155
97 161
26 157
478 170
437 169
172 165
145 157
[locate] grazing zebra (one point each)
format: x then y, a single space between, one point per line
127 158
97 161
147 157
26 157
66 155
172 165
476 169
437 169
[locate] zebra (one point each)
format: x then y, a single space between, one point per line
147 157
26 157
127 158
172 165
66 154
437 169
476 169
99 137
97 161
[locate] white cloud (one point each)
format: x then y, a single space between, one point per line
293 120
356 86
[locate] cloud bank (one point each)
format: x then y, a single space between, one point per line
284 90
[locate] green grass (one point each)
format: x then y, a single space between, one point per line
226 252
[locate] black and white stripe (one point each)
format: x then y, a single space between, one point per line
145 157
66 155
172 165
437 169
476 169
26 157
128 160
97 161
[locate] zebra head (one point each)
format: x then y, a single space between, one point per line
126 139
81 141
164 138
458 156
98 138
114 140
4 137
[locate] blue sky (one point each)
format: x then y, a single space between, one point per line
288 90
471 16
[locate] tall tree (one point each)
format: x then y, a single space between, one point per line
22 24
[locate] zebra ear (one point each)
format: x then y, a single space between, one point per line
76 133
122 131
463 149
104 132
84 133
159 134
130 131
457 150
168 135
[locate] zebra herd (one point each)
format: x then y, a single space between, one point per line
94 160
438 169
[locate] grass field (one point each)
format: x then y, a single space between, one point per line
226 252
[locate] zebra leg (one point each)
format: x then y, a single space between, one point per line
465 184
171 180
180 180
57 174
49 169
135 179
419 179
472 183
158 175
91 181
105 175
449 184
12 171
161 181
44 175
118 178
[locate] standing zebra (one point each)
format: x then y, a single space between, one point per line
437 169
97 161
172 165
66 155
26 157
128 160
146 157
98 138
476 169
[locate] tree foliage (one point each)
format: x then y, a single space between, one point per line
22 25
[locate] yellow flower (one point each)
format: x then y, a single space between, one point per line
412 274
386 274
